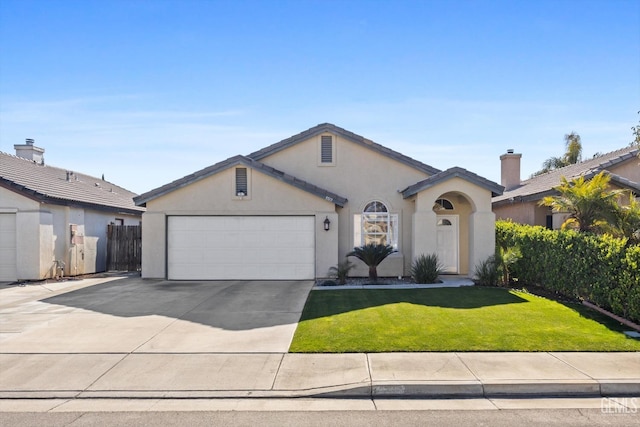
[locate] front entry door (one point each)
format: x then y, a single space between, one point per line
447 242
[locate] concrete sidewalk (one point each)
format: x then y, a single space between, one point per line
134 338
277 375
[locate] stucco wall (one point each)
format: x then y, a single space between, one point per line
215 195
629 169
43 237
476 221
361 175
12 200
520 212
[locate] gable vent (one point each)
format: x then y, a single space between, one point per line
326 149
241 182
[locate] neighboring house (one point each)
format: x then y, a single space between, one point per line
295 208
54 221
520 200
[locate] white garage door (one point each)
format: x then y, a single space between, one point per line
241 247
8 270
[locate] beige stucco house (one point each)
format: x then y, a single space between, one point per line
295 208
54 221
520 200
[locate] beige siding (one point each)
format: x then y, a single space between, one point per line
361 175
215 195
43 237
629 169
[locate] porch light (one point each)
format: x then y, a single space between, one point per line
327 224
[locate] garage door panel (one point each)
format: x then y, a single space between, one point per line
241 248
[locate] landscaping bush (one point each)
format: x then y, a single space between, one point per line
600 269
487 273
341 271
426 269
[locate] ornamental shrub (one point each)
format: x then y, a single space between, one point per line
426 269
600 269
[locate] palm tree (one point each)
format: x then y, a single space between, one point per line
628 224
590 203
341 271
574 149
572 155
372 254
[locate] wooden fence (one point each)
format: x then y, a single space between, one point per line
124 247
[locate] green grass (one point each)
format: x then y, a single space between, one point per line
451 319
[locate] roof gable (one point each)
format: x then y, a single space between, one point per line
455 172
343 133
235 161
58 186
539 186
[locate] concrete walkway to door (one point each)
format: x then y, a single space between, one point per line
129 315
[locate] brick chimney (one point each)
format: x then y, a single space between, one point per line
29 151
510 170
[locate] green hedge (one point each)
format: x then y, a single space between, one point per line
599 269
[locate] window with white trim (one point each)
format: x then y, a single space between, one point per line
376 225
443 205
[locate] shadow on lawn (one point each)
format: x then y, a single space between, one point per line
328 303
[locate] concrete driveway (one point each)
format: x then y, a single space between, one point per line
132 315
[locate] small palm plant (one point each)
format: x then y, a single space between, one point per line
341 271
426 268
372 254
590 203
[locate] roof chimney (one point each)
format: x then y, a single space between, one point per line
29 151
510 169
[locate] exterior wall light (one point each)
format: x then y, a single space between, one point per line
327 224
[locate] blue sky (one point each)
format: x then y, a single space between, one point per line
149 91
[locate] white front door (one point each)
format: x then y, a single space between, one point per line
447 242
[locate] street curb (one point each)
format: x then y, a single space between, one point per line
415 390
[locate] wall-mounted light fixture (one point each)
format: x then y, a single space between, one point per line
327 224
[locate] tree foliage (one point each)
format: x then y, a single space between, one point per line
601 269
372 254
572 155
590 203
341 271
628 222
636 133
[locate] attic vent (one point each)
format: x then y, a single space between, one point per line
242 188
326 149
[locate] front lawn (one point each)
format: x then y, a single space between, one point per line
451 319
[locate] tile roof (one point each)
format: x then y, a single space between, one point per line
233 161
452 173
49 184
360 140
539 186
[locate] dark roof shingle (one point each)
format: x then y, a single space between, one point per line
452 173
50 185
539 186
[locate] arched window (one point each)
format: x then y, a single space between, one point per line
442 205
376 225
